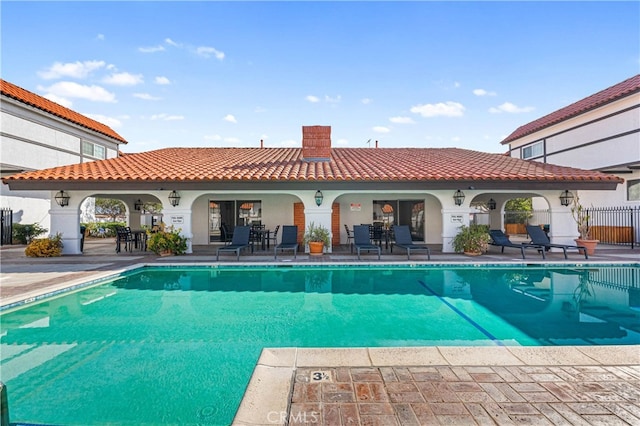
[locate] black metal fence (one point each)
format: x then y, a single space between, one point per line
6 215
615 225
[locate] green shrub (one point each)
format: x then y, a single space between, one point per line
45 247
23 234
472 239
167 240
103 229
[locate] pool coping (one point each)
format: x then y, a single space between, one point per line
271 385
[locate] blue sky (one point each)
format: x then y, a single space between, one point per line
410 74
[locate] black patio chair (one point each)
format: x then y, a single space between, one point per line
500 239
349 237
538 237
226 235
240 241
289 240
124 237
362 240
403 240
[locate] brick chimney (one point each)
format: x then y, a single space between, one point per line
316 143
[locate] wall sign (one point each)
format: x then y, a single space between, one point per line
456 218
356 207
177 220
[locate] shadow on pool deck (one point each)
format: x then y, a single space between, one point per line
392 386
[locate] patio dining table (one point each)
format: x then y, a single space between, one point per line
261 235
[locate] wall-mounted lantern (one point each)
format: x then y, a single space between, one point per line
174 198
566 198
138 205
458 197
319 197
491 204
62 198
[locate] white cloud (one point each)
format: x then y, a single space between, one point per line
331 100
446 109
69 89
109 121
123 79
456 139
151 49
171 42
366 101
59 100
312 99
230 118
146 97
482 92
232 140
401 120
71 69
213 137
100 37
166 117
510 108
207 52
342 142
456 84
162 81
381 129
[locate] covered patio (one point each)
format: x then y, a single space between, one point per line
432 190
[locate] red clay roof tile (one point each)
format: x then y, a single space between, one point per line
286 164
618 91
12 91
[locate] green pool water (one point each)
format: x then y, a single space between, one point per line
178 345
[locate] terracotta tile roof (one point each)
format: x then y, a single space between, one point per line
286 164
618 91
12 91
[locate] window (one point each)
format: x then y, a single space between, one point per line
93 150
633 190
533 150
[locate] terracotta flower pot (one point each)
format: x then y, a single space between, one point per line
589 244
316 248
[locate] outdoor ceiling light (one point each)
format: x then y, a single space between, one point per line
319 197
138 204
491 204
62 198
174 198
566 198
458 197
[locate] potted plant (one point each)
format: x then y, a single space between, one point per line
581 217
166 241
316 237
472 240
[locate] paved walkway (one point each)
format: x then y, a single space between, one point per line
393 386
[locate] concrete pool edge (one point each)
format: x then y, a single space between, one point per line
267 397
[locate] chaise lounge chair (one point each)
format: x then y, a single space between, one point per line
362 240
402 236
289 240
500 239
538 237
240 241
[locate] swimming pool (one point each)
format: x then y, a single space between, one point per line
178 345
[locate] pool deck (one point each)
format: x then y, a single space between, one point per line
562 385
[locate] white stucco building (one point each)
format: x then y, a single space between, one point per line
38 134
600 132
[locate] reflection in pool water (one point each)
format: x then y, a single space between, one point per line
178 345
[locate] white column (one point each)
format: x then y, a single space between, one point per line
453 217
66 221
180 218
